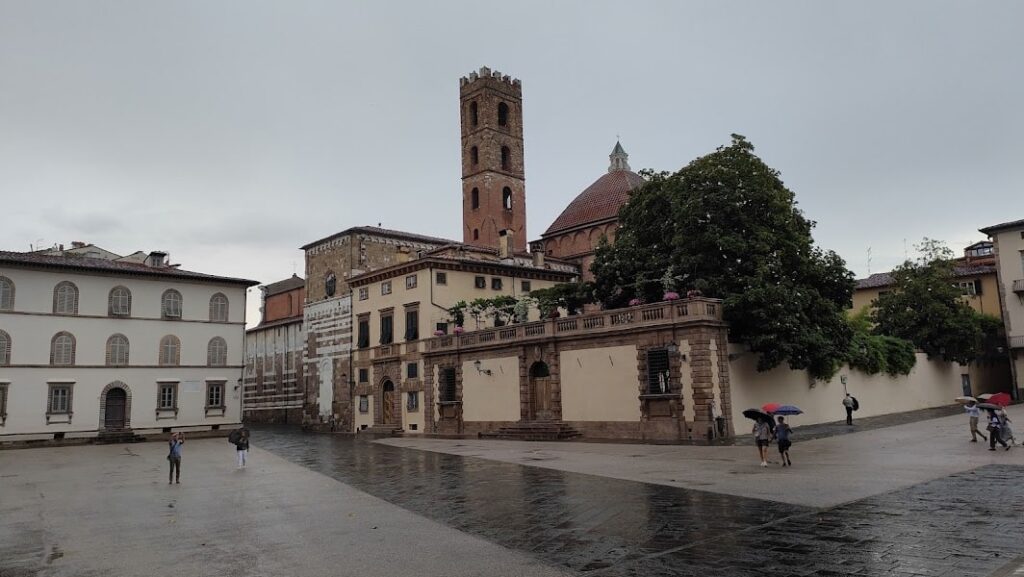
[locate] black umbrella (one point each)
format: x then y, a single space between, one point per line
757 415
234 436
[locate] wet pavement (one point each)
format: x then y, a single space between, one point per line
967 524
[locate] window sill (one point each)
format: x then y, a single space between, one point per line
215 411
449 403
660 396
58 418
162 414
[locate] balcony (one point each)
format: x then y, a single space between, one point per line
1017 342
658 314
1018 285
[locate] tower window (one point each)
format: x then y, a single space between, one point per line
473 113
506 198
506 158
476 234
474 155
502 114
475 198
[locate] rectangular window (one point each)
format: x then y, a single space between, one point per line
412 402
526 286
60 400
168 397
447 387
480 282
442 278
412 371
412 324
442 328
363 332
657 371
364 293
387 323
364 375
385 287
410 282
496 284
364 404
214 395
3 403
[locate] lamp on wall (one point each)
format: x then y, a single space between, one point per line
479 370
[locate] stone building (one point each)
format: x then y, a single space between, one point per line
1008 248
274 379
93 344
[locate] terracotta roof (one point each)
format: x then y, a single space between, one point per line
285 285
382 232
83 263
599 201
884 279
996 227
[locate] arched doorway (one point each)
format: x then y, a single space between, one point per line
387 403
540 392
114 412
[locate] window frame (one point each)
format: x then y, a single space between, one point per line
652 377
7 294
480 282
414 278
162 360
447 385
164 386
3 403
496 283
363 336
54 358
364 404
385 287
119 295
59 300
504 111
441 278
111 359
219 301
525 286
474 199
330 284
412 330
412 401
218 357
506 198
412 370
387 319
364 293
364 375
5 348
51 396
168 299
219 386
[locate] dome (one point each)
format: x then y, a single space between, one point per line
601 200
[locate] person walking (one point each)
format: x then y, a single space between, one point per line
848 404
174 457
1005 430
782 433
994 432
762 436
974 413
242 447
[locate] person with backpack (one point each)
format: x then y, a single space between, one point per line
995 433
241 445
851 405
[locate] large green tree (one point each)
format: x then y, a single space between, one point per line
727 225
924 306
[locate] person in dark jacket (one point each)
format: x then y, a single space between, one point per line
174 457
242 446
782 434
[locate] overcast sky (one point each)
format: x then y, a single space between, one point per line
231 133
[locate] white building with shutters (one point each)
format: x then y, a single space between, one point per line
95 344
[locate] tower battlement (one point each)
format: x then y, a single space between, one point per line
486 73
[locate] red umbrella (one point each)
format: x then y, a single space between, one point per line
772 407
1001 399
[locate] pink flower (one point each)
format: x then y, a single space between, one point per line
670 296
635 302
438 333
459 330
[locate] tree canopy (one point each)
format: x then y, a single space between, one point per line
727 225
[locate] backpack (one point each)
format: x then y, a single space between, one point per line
856 404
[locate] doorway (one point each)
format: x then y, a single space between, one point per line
114 412
387 403
540 392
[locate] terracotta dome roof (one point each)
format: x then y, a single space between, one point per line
600 201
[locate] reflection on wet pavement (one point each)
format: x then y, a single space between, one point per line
605 526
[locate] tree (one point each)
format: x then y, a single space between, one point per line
925 308
726 225
569 296
872 353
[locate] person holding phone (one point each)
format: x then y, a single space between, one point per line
174 457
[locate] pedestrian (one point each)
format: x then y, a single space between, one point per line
974 413
782 433
762 436
994 433
849 403
1004 427
242 446
174 457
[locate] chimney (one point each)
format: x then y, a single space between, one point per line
77 244
156 258
537 251
505 244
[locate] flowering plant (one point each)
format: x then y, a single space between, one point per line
693 293
459 330
635 302
438 333
670 296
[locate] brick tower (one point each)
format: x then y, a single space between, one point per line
493 189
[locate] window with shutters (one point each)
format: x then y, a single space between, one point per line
5 349
119 302
364 404
385 287
62 349
412 324
657 372
363 332
117 351
170 351
65 299
6 294
412 402
410 282
364 375
387 324
217 352
412 371
171 304
219 308
3 404
446 386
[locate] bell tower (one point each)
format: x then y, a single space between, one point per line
493 186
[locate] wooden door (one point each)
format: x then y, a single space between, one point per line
114 412
540 392
387 407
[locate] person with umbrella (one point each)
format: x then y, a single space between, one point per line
782 433
762 436
240 439
1004 426
994 427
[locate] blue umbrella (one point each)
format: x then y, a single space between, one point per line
787 410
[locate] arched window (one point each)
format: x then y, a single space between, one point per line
506 198
62 349
65 298
502 114
474 155
476 234
473 118
330 284
117 351
170 351
6 294
506 158
5 349
219 308
170 304
119 303
475 198
217 352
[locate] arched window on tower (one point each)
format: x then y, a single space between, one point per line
473 118
474 155
502 114
476 234
506 198
506 158
475 198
